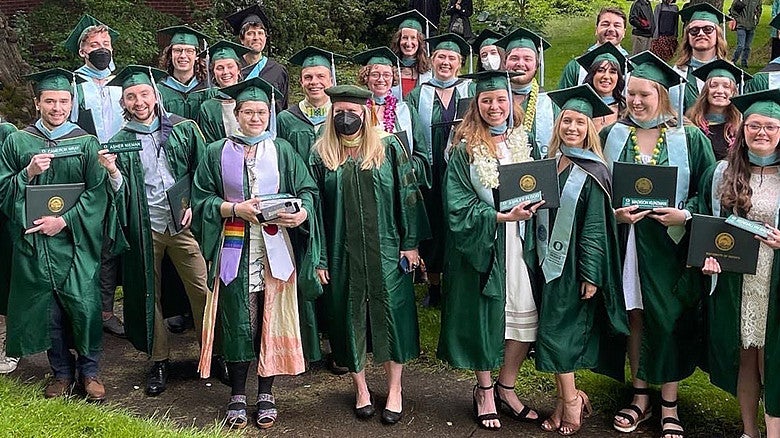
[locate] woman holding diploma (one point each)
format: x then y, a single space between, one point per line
582 315
744 337
252 266
661 295
488 312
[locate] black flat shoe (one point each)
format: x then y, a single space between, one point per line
367 411
158 378
219 369
390 417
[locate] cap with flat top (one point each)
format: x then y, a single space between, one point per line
450 41
721 68
378 55
251 15
582 99
76 36
348 93
490 80
764 103
604 52
523 38
183 35
314 56
133 75
702 11
224 49
649 66
55 79
487 37
412 19
253 90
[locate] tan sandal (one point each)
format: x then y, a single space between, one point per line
567 428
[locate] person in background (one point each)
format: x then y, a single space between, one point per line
746 13
186 87
460 23
769 77
641 19
606 68
7 364
409 44
490 57
774 35
666 22
430 9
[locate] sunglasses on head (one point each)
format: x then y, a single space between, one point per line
693 31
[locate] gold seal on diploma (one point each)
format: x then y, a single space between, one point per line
724 241
185 203
643 186
56 204
527 183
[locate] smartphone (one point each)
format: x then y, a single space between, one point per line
405 266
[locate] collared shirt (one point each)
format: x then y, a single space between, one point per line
158 178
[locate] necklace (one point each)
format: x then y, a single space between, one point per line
530 112
487 164
656 149
388 112
350 144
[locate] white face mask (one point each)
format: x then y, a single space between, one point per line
491 62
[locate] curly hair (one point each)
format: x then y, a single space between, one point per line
685 51
365 71
617 93
166 63
423 61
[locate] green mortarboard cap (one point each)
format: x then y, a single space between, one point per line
55 79
256 89
137 75
449 41
379 55
702 11
314 56
490 80
650 67
722 69
765 103
487 37
412 20
582 99
604 52
224 49
253 14
73 42
775 22
183 35
348 93
522 38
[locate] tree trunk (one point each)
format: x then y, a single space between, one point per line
15 96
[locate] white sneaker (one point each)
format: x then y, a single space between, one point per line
8 364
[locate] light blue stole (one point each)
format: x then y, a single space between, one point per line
257 69
403 117
544 123
425 110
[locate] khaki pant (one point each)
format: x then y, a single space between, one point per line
639 44
2 337
185 254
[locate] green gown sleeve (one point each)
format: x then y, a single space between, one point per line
13 181
472 222
759 82
317 170
701 159
210 122
414 225
421 155
570 75
206 203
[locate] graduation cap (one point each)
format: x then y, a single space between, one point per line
348 93
492 81
137 75
251 15
702 11
183 35
224 49
765 103
525 38
582 99
723 69
775 22
76 36
649 66
487 37
256 89
452 42
605 52
378 55
314 56
58 79
412 19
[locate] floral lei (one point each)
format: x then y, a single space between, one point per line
530 112
388 115
487 165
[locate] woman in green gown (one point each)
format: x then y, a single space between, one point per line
373 222
488 300
743 328
582 315
252 266
661 294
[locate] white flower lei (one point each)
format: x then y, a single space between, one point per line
487 165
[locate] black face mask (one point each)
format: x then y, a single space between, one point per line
347 123
100 58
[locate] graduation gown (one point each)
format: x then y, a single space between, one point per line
183 148
760 80
691 90
420 155
188 104
293 126
6 249
275 74
210 120
433 253
670 343
723 315
574 333
233 323
369 216
66 264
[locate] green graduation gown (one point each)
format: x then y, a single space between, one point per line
188 104
183 150
670 291
369 216
433 253
210 119
760 80
421 154
293 126
66 264
691 92
724 312
5 237
233 327
574 333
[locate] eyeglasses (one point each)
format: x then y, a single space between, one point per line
250 114
695 30
385 76
755 128
178 51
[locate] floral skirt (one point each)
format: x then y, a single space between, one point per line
664 46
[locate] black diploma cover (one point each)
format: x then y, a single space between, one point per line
179 200
50 200
643 185
528 181
735 249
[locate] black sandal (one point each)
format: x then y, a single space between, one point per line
502 404
484 417
641 416
670 420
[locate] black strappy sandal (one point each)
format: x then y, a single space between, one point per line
484 417
502 404
641 416
670 420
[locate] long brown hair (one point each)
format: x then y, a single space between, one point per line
474 131
685 51
166 63
423 61
700 109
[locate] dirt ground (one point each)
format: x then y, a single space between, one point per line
317 403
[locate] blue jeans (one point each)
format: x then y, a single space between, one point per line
744 41
63 364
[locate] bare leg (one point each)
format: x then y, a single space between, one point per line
362 397
394 372
642 401
515 353
573 402
749 390
553 423
484 397
669 393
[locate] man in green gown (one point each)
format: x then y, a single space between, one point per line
53 277
170 149
769 77
185 88
7 364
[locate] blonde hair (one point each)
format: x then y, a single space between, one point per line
371 149
93 30
685 51
592 141
664 104
474 131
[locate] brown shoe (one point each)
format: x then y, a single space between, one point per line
58 388
96 391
